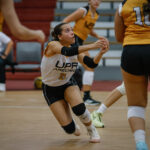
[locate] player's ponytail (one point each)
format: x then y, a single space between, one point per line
146 7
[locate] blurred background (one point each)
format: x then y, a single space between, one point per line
44 15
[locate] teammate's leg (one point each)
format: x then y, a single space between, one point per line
110 99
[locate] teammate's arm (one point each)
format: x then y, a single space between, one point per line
74 16
119 27
15 26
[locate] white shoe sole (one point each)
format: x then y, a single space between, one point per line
95 141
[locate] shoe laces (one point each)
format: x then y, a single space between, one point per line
97 116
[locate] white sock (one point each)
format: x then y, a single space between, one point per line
85 117
102 109
139 135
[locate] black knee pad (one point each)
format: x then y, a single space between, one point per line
79 109
70 128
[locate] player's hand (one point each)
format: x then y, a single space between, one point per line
40 36
100 44
106 45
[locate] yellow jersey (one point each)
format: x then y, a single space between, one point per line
137 24
84 25
1 21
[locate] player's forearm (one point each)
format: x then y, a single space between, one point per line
8 48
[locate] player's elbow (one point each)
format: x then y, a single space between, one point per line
119 37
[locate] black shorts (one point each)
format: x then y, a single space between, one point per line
78 75
53 94
135 59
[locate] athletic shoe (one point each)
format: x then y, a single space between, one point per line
141 146
2 87
94 136
77 131
91 101
96 119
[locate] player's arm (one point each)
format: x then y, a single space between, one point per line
75 15
119 27
56 47
94 34
8 49
92 62
15 26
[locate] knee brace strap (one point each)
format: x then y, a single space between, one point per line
121 89
88 77
70 128
136 111
79 109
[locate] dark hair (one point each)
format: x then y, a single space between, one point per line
146 7
57 31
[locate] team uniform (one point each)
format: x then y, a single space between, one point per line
136 44
136 53
82 29
136 40
57 75
57 72
84 25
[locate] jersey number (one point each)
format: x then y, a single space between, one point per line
139 17
62 76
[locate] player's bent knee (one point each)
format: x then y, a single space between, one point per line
70 128
121 89
79 109
136 111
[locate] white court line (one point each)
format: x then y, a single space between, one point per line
26 107
46 107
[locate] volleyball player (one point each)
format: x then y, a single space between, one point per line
132 28
6 45
58 65
85 19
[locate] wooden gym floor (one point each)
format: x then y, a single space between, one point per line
26 123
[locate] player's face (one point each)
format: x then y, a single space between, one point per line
94 3
67 35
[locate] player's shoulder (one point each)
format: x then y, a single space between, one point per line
86 7
53 43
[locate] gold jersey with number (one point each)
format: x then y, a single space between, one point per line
84 25
137 24
1 21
